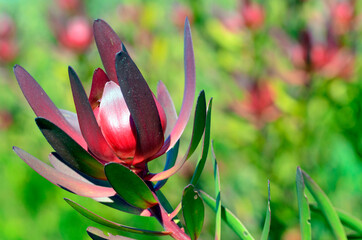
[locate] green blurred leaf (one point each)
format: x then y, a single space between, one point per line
218 196
129 186
304 213
229 218
266 229
346 219
193 211
326 206
97 234
98 219
205 148
70 151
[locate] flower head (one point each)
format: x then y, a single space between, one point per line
120 121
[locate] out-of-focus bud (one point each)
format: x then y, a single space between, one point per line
6 119
253 15
69 5
7 26
179 13
77 34
342 15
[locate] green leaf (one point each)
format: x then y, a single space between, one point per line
129 186
69 150
304 213
193 211
326 206
97 234
346 219
205 148
98 219
218 196
266 229
229 218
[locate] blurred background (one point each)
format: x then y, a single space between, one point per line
285 76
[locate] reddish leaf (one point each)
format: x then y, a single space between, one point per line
42 105
99 80
164 98
108 44
142 106
88 123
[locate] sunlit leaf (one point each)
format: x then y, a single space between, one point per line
266 228
304 213
228 217
97 234
129 186
205 148
326 207
193 211
98 219
218 197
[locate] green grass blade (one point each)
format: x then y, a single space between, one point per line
304 212
326 207
228 217
218 196
266 228
347 220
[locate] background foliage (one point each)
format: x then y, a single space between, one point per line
317 125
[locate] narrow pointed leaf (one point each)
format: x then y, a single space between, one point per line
171 157
164 98
326 206
129 186
189 92
304 213
87 121
142 107
205 147
42 105
99 80
266 228
228 217
347 220
69 150
108 44
67 182
193 211
197 132
218 197
98 219
97 234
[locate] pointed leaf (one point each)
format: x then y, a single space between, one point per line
42 105
87 121
205 147
69 150
228 217
171 157
67 182
120 204
193 211
164 98
304 213
197 132
97 234
347 220
266 229
98 219
326 206
72 119
129 186
218 197
189 92
99 80
108 44
142 106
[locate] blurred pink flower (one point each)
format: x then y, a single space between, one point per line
8 44
253 15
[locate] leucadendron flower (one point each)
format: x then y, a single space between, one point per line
120 121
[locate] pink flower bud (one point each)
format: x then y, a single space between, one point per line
77 34
253 15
